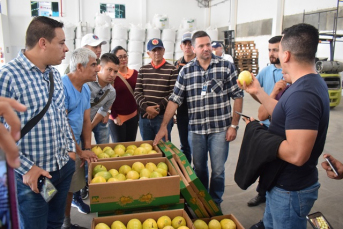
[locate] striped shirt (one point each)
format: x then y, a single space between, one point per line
211 112
104 105
48 143
154 86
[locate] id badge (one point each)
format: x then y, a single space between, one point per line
204 89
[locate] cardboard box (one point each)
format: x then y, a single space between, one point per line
231 216
168 153
195 182
190 196
164 207
142 217
133 193
126 144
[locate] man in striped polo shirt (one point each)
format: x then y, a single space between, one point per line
155 83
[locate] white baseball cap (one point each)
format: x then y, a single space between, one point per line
92 40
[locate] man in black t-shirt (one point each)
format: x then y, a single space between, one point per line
301 116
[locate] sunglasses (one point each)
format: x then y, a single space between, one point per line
123 57
100 93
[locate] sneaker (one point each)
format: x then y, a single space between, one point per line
80 205
256 201
258 225
84 192
75 226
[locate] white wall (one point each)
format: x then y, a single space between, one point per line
298 6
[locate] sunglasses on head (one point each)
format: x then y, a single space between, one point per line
100 93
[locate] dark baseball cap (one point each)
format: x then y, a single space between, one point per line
154 43
216 45
187 36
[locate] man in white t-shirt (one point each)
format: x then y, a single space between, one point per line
218 50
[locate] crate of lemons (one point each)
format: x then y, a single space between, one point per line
138 170
215 224
163 222
121 151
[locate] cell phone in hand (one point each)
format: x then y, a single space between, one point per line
245 116
46 188
318 221
331 165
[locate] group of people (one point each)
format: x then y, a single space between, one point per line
198 89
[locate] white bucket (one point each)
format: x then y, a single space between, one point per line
70 45
106 47
136 34
122 43
135 46
69 31
178 55
102 19
213 33
77 43
146 59
180 33
119 32
169 57
103 32
189 24
169 46
153 33
135 58
161 21
168 35
177 46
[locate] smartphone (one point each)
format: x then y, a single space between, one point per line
245 116
46 188
332 167
8 198
318 221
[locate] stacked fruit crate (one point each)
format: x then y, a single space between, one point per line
246 56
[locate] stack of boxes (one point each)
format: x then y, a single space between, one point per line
246 56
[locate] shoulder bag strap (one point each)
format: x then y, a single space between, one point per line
126 83
30 124
102 97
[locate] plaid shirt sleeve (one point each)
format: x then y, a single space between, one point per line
235 92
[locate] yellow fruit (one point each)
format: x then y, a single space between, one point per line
147 146
145 173
151 166
118 225
163 221
103 174
214 224
152 152
98 168
200 224
98 179
129 152
142 178
119 146
112 179
113 172
109 152
138 166
245 76
161 171
120 177
114 155
96 150
106 148
149 224
131 147
168 227
103 155
227 224
178 221
155 174
134 175
101 226
140 151
183 227
124 169
134 224
119 151
162 165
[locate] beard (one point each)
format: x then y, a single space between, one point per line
277 61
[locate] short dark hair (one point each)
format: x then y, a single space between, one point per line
199 34
275 40
41 27
108 57
116 49
302 41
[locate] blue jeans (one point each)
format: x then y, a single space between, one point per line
288 209
34 212
150 127
182 126
101 133
218 148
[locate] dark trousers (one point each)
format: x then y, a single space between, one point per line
126 132
182 126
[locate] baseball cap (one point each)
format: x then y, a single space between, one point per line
154 43
187 36
92 40
216 45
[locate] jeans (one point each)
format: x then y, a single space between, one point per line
182 126
126 132
288 209
101 133
218 148
34 212
150 127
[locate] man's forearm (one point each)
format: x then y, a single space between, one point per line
169 113
267 101
237 106
98 117
87 133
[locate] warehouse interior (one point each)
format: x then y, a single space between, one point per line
131 23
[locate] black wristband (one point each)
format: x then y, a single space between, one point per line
88 149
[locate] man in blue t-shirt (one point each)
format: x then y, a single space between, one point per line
302 117
83 69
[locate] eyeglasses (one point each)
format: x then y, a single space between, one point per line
123 57
100 93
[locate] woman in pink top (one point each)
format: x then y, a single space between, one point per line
123 121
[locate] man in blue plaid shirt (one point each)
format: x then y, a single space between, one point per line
48 148
207 82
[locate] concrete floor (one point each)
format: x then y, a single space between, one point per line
330 201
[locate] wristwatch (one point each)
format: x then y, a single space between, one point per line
234 126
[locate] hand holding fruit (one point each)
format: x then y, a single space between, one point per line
248 83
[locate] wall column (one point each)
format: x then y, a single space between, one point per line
278 18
